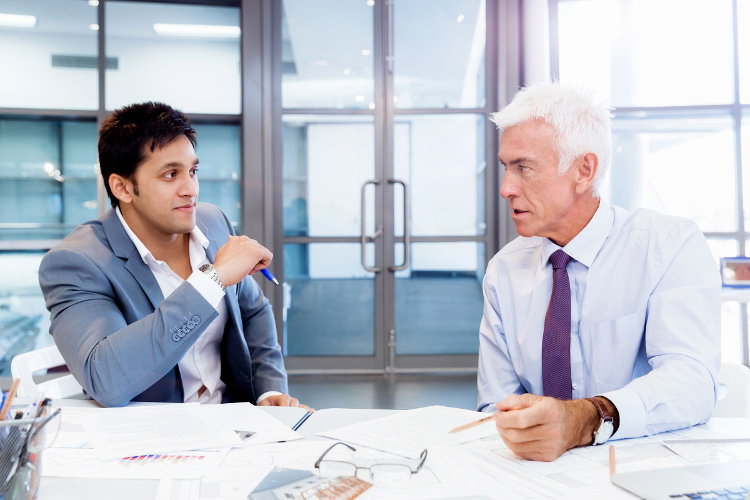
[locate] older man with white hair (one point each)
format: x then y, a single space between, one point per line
598 322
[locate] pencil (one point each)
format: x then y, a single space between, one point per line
9 399
612 465
472 424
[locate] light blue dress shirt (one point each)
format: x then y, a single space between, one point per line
645 319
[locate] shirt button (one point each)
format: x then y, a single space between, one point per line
575 386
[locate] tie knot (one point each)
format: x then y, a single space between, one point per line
559 259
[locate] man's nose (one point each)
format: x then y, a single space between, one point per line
508 187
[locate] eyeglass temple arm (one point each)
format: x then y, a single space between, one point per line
423 457
317 463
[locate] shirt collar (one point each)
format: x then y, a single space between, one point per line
586 244
196 235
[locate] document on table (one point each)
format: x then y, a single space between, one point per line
409 432
72 462
253 425
710 450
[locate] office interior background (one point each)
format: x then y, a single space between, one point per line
352 138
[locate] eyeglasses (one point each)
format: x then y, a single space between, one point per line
381 473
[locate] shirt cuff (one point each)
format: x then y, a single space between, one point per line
267 395
632 413
207 287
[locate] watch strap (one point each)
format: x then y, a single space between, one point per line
208 270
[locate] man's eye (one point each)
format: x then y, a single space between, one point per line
170 175
194 171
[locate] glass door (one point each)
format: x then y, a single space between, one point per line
385 198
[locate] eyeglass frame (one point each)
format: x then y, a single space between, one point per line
422 459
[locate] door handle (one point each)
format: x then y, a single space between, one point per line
407 235
363 238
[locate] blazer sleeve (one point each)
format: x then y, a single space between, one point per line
114 350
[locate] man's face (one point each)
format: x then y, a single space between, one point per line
542 201
167 191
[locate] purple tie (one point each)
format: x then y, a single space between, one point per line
556 342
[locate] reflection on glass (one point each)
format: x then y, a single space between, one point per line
219 172
47 177
439 299
328 301
326 161
642 57
194 69
441 157
51 63
439 52
24 322
326 54
668 164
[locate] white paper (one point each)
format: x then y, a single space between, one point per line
409 432
71 462
119 432
710 450
253 425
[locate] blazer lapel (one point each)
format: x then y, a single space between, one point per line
123 248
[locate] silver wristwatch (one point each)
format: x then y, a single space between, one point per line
209 270
606 423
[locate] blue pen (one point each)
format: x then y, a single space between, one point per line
270 277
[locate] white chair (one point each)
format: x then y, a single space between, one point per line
24 365
734 391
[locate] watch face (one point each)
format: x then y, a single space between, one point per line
604 432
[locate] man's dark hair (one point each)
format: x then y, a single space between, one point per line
127 132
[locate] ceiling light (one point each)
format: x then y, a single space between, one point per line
17 20
366 52
94 27
94 3
205 30
460 18
359 98
370 3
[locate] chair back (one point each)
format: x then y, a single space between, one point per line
24 365
734 391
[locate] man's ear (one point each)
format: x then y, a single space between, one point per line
586 168
121 188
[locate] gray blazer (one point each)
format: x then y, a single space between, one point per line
122 339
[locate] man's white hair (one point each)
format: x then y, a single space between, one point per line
581 122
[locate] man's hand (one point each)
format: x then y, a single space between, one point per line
283 400
543 428
238 257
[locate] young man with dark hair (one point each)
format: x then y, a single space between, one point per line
153 301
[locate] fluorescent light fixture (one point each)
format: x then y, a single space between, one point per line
94 27
205 30
17 20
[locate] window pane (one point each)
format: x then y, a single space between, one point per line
746 167
24 322
329 301
439 50
669 163
646 53
441 157
51 64
48 181
731 332
743 21
218 148
192 69
326 54
326 161
439 299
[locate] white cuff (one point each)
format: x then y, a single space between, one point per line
267 395
207 287
632 413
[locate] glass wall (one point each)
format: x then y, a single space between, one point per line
680 102
185 55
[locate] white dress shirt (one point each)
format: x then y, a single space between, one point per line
645 319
